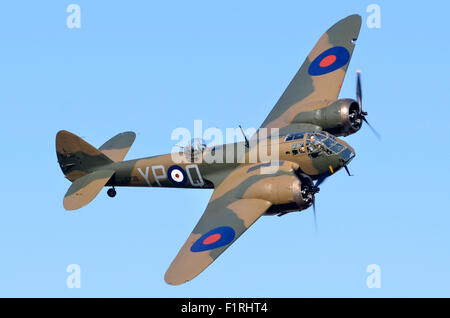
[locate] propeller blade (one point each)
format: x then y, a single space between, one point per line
358 88
316 186
314 213
359 100
319 181
373 129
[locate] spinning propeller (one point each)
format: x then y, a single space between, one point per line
315 190
363 114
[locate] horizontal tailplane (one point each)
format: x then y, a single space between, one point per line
85 189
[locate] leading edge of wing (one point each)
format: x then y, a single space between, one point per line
215 232
233 208
321 75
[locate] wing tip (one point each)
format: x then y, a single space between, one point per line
171 279
354 18
130 134
351 20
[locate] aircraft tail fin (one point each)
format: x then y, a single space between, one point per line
76 157
87 167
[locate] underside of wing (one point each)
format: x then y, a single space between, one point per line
235 205
218 228
321 75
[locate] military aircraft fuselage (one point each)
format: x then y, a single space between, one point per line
317 154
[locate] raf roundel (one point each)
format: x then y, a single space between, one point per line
215 238
176 175
329 61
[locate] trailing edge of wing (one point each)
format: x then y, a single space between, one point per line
232 209
215 232
321 74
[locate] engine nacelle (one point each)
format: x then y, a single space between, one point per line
340 118
286 192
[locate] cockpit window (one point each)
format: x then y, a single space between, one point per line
346 154
294 136
294 149
301 147
337 148
329 143
319 135
331 136
318 143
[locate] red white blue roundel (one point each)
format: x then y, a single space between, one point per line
176 175
329 61
215 238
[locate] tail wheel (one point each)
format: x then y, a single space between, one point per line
112 192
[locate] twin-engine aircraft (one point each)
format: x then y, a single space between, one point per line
309 118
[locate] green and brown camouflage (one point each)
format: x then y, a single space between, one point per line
317 95
117 147
309 117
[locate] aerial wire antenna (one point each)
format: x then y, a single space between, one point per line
245 137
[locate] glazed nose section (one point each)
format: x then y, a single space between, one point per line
340 149
347 154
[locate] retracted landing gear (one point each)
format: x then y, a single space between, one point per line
111 192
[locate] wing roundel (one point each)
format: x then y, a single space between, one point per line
321 75
231 211
214 233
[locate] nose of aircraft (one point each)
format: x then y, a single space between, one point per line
347 154
344 151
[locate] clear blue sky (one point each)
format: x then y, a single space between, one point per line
152 66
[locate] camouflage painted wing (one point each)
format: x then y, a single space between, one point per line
234 206
322 73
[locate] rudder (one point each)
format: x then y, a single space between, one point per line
76 157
